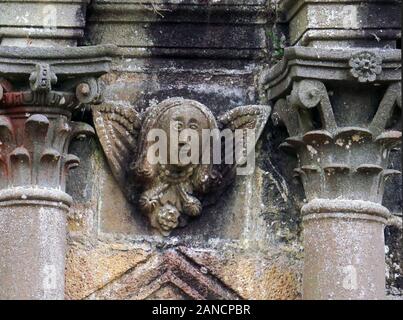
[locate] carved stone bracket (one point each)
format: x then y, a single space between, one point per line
172 192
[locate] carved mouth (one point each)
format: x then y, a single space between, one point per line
183 152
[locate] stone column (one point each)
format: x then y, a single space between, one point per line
42 82
340 101
34 161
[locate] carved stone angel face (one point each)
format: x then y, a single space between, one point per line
177 120
171 192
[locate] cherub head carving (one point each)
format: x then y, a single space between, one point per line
162 150
175 118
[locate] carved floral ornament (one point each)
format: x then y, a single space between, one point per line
365 66
174 191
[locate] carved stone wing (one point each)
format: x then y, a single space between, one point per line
118 128
246 117
239 120
248 123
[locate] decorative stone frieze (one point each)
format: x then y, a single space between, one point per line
171 192
39 90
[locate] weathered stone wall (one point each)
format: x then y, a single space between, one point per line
246 245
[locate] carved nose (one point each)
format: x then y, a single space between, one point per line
182 143
183 147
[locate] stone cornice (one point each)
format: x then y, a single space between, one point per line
288 8
323 64
248 12
68 62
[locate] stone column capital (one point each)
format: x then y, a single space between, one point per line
338 107
39 90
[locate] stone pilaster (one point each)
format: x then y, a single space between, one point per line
340 101
39 90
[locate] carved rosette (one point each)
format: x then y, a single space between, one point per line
365 66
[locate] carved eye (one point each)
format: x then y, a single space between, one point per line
194 126
178 125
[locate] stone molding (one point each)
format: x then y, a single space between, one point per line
323 64
76 62
40 23
344 209
342 23
35 196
